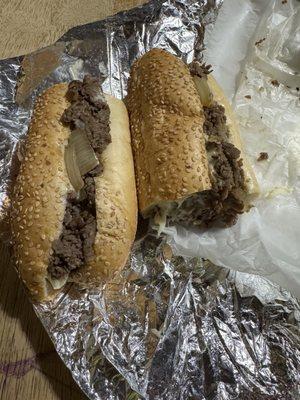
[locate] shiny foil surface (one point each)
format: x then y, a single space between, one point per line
166 327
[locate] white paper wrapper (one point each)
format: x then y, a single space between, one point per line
259 65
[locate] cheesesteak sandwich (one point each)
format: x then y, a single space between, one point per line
190 167
74 208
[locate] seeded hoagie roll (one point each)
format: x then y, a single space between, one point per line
190 168
74 209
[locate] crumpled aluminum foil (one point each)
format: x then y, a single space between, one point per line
167 327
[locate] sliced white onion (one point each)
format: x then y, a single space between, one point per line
85 155
203 91
160 220
72 167
57 283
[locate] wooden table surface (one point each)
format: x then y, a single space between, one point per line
30 369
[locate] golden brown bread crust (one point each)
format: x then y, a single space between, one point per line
167 131
166 118
39 199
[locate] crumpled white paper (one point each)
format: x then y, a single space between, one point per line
259 67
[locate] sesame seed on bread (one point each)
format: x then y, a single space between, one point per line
39 199
166 118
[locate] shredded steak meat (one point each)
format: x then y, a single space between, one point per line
90 113
221 205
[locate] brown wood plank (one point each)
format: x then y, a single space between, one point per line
30 369
27 25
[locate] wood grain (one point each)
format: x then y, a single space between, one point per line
27 25
30 369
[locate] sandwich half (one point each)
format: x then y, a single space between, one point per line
189 162
74 207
